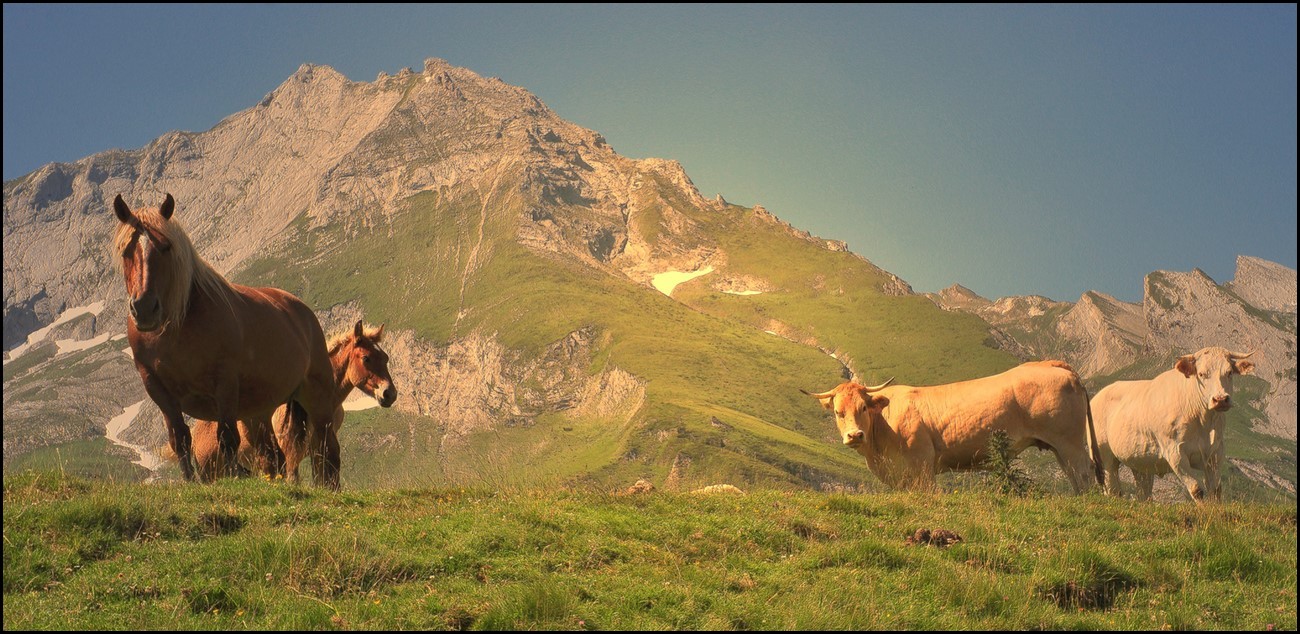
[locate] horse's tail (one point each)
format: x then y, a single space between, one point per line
295 422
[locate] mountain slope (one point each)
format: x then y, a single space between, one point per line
512 256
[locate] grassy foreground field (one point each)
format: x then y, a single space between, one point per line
248 554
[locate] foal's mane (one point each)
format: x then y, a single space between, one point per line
187 268
349 336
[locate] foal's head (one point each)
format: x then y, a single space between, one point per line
365 364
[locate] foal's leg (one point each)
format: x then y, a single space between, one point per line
227 397
262 447
203 442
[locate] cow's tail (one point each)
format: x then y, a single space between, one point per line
1093 447
1094 450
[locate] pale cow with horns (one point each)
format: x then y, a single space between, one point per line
910 434
1172 423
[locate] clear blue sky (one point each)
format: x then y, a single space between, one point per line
1012 149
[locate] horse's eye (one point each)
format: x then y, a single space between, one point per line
365 358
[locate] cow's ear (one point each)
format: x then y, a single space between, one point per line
877 403
1186 364
1243 367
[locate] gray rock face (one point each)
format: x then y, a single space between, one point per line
1265 285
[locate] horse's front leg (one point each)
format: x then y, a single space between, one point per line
178 433
323 444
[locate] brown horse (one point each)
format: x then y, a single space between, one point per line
216 350
358 362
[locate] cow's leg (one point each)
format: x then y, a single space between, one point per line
1145 482
1183 469
1077 468
1213 464
1111 464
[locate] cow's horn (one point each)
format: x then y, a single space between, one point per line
822 395
879 387
1237 356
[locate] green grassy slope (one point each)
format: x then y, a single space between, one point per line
247 554
835 298
722 396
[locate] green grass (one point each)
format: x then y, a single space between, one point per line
94 458
836 299
248 554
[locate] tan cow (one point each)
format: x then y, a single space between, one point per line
909 434
1172 423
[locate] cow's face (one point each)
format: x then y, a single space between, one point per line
1212 369
854 406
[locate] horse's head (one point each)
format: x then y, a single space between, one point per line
367 364
156 262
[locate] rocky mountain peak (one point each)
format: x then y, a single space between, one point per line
1265 284
958 294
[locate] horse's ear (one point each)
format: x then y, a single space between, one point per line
122 211
379 335
359 330
168 206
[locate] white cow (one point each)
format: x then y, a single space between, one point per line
1172 423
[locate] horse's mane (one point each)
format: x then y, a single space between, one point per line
346 337
186 267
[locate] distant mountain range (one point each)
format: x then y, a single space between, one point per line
555 312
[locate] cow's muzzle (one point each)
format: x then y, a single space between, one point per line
854 438
1221 403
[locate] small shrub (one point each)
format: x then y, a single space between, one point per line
1005 474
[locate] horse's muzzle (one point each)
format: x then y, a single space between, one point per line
147 313
388 396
